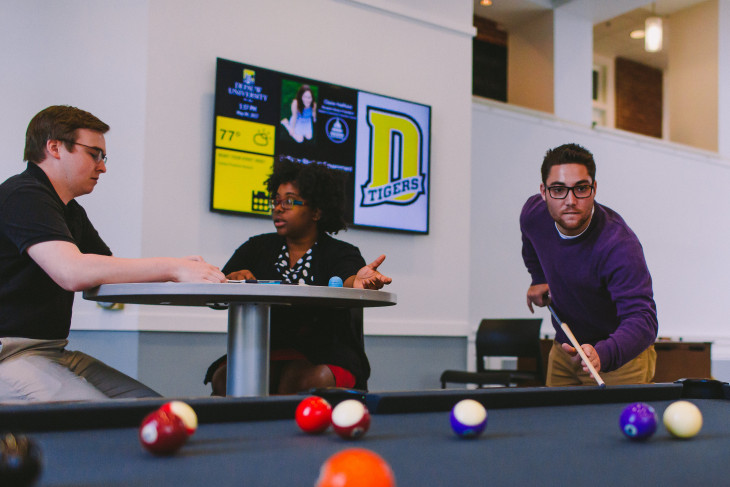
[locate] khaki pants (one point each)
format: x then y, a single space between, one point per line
43 370
562 371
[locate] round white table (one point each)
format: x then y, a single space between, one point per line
248 315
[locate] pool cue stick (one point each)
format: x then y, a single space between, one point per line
577 347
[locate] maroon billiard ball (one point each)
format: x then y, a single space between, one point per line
313 415
350 419
185 413
162 432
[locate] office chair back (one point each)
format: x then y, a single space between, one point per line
518 338
509 338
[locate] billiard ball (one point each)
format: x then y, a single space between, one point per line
355 467
638 421
20 460
185 413
162 432
682 419
313 415
468 418
350 419
335 281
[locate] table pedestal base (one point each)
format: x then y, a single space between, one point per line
248 350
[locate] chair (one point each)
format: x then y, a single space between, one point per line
504 338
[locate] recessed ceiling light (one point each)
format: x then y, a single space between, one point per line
485 3
637 34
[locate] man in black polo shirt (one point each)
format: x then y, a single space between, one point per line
48 250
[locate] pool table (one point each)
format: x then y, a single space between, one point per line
535 436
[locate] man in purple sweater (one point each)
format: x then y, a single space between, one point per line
586 261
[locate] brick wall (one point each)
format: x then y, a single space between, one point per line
638 98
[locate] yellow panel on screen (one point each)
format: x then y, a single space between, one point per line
239 181
243 135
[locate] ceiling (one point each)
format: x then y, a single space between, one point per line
610 37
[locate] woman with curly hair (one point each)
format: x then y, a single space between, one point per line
311 346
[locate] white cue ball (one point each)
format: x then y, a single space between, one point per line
470 412
683 419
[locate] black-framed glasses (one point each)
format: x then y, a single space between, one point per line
286 204
99 155
580 191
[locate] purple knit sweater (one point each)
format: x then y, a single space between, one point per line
599 283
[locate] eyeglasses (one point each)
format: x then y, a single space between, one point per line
98 155
580 191
286 204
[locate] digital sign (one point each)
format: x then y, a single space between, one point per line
380 144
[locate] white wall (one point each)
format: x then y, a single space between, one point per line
723 78
147 68
692 76
530 75
573 53
86 54
90 54
674 198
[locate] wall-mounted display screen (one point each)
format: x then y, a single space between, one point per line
381 144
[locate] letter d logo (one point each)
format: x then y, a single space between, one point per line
396 156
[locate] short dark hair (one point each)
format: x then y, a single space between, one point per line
568 154
323 189
57 122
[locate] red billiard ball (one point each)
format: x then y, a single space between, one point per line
350 419
162 432
356 467
185 413
313 415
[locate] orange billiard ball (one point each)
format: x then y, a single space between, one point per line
356 467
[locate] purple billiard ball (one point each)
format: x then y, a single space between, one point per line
638 421
468 418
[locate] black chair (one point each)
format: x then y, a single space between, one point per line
504 338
